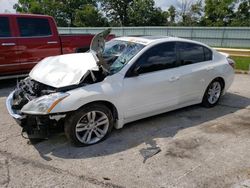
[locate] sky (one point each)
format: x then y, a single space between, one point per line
164 4
7 5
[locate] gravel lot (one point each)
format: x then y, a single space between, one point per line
190 147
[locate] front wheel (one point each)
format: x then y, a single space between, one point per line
89 125
212 94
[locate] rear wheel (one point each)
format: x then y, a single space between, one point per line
89 125
212 94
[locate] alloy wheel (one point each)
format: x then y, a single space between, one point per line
92 127
214 92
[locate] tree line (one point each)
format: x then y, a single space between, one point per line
98 13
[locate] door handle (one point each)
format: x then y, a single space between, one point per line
9 44
174 78
209 68
52 42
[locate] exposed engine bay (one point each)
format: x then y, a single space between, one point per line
29 89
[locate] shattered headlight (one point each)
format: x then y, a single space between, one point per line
44 104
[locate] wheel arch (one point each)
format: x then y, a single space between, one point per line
71 122
221 80
204 98
108 104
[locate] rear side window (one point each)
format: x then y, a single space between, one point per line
33 27
208 54
159 57
4 27
190 53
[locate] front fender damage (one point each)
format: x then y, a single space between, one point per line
52 75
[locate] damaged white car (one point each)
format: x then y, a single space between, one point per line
116 82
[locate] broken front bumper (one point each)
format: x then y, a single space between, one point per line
19 118
36 126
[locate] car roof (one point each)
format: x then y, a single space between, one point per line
147 40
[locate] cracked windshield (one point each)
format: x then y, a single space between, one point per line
121 53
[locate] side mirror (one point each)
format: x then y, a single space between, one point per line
135 72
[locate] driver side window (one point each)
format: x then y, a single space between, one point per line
159 57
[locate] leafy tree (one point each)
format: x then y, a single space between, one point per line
89 16
116 11
172 14
191 13
218 12
144 13
66 12
166 18
85 13
196 12
184 9
242 15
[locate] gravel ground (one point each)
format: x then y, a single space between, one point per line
190 147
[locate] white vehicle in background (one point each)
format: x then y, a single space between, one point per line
126 79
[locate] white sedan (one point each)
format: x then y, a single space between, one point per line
120 81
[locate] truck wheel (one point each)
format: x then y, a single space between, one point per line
89 125
212 94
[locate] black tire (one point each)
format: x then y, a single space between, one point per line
73 119
206 102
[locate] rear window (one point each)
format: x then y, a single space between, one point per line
4 27
191 53
33 27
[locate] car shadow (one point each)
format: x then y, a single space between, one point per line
143 131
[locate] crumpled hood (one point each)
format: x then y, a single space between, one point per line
63 70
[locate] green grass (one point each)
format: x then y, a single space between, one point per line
242 63
245 48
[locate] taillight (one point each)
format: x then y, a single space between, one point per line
231 62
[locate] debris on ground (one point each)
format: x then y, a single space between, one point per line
149 152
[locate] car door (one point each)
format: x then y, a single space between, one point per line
195 64
36 41
8 48
155 88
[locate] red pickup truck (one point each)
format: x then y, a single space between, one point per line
26 39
